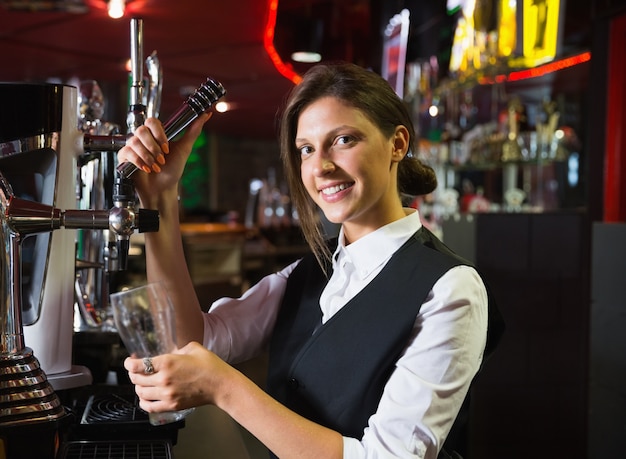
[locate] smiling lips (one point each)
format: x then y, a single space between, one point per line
334 189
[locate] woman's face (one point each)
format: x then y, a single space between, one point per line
349 167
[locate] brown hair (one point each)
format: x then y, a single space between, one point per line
374 97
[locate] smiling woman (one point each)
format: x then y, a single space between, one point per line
374 337
378 111
342 153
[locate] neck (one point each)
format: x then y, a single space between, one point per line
354 231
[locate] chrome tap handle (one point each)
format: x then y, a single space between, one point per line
155 88
137 110
98 143
123 209
123 213
200 101
196 104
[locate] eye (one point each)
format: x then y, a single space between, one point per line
305 150
345 139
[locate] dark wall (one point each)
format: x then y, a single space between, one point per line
531 397
607 373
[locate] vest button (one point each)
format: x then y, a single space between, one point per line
293 383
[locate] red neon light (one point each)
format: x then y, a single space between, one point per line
268 43
538 71
614 164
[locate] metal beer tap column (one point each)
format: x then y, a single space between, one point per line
39 146
123 190
123 214
200 101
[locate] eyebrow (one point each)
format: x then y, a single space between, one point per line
331 133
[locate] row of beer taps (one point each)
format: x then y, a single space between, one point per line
27 399
123 216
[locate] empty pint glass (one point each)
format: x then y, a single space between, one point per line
144 318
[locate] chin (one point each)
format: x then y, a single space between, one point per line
333 218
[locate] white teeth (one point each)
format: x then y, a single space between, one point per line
334 189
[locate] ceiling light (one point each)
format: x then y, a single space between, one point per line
222 106
307 57
308 41
116 8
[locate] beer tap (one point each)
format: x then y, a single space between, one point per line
137 109
123 190
155 88
197 103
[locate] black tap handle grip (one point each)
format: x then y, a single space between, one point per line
147 221
123 247
197 103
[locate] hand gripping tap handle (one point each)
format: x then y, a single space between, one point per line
200 101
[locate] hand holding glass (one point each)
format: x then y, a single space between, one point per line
144 318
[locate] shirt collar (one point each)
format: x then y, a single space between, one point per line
374 249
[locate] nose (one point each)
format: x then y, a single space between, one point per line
323 165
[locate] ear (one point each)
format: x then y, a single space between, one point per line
400 143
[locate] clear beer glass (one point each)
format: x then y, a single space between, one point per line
144 317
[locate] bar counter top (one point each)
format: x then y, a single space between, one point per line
192 228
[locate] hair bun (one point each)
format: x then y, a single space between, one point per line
415 178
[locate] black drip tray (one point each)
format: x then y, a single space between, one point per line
106 408
116 450
113 413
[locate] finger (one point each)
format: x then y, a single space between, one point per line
141 158
147 149
144 366
136 153
155 406
132 365
149 393
156 128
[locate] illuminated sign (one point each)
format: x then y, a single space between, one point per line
541 31
540 34
394 51
507 28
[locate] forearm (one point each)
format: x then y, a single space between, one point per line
162 165
165 262
284 432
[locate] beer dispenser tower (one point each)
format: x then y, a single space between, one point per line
39 146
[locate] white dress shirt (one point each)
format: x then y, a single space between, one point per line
426 390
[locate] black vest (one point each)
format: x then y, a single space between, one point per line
335 375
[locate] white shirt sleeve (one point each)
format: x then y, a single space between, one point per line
238 329
431 379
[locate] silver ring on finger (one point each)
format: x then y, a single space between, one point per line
147 366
